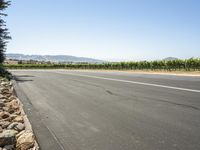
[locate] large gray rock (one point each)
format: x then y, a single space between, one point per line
7 137
16 126
8 147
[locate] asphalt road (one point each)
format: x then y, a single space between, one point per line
76 110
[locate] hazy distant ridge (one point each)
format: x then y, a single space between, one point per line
170 58
53 58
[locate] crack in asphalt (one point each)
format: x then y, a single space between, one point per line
177 104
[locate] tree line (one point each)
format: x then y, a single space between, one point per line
192 64
4 34
4 37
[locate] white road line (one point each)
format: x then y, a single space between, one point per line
135 82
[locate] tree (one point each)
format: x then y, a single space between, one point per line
4 34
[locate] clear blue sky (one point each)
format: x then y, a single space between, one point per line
106 29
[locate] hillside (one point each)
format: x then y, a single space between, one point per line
53 58
170 58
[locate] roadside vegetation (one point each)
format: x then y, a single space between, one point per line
4 37
192 64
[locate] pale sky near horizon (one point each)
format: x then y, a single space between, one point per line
106 29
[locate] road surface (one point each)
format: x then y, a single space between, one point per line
87 110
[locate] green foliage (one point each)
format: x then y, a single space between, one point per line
4 73
4 34
192 64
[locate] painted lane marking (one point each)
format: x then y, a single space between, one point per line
135 82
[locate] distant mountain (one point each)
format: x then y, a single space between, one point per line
52 58
170 58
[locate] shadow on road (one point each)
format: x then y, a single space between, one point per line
23 78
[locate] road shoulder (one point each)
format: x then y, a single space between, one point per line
46 139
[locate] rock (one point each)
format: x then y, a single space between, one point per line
25 141
8 109
3 79
4 115
5 91
13 116
13 105
1 96
2 104
1 130
17 112
8 147
12 98
7 137
20 133
4 124
7 119
4 100
11 111
18 119
10 83
16 126
4 83
5 108
7 95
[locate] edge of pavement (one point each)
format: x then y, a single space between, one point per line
170 73
44 136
